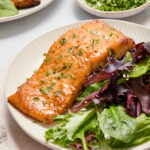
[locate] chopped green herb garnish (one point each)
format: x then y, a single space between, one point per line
80 52
58 92
93 41
53 83
63 41
48 73
44 103
97 41
92 32
44 54
110 34
112 29
27 78
36 98
59 57
74 36
45 60
73 77
54 72
34 70
43 80
49 88
64 66
69 49
77 46
43 90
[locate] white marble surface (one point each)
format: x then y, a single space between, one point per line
16 34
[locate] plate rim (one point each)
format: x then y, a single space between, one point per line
50 145
31 11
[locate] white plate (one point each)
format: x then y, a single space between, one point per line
27 11
115 14
32 56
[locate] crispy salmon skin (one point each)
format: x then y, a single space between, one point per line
54 86
25 3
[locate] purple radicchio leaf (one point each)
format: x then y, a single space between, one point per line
78 146
146 82
110 93
136 86
141 51
133 107
112 67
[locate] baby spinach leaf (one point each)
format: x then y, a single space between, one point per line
116 123
142 134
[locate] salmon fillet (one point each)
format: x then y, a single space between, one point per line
25 3
54 86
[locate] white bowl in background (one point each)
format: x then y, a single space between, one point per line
112 14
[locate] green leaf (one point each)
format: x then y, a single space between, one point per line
7 8
140 69
115 5
142 134
72 127
90 89
91 126
128 56
116 123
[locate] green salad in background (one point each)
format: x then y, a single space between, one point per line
115 5
7 8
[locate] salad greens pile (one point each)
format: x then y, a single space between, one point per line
115 5
7 8
114 107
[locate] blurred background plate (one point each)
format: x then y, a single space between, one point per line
27 11
114 14
31 57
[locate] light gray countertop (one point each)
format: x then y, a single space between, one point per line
16 34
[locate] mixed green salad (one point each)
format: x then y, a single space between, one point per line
7 8
115 5
113 108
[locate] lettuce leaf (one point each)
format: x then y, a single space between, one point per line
7 8
73 127
117 124
140 68
142 134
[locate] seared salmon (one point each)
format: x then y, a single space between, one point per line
25 3
55 85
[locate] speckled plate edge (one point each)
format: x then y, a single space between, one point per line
27 11
115 14
19 117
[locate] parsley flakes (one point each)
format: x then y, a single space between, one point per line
58 93
36 98
80 52
48 73
63 41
